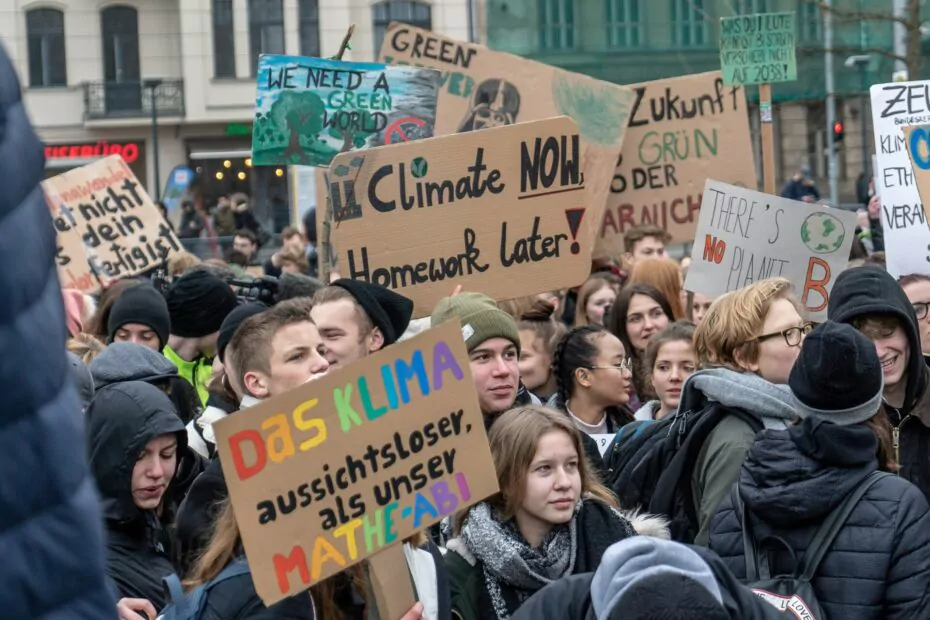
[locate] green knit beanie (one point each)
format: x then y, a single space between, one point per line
481 319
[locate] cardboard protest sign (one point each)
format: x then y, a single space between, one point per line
500 211
332 472
309 110
758 49
917 140
744 236
106 225
682 131
896 106
482 88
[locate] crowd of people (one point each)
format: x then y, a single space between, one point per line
758 464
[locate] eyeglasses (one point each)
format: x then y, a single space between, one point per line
920 309
793 335
626 365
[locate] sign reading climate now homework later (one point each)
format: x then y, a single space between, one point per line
758 49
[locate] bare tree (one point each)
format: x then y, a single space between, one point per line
910 20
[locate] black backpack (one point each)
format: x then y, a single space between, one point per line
793 595
649 464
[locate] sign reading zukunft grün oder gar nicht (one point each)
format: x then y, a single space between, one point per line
758 49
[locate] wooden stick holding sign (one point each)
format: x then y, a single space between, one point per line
760 49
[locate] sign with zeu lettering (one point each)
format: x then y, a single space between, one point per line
501 211
106 225
338 469
482 88
682 131
758 49
895 107
917 140
744 236
309 110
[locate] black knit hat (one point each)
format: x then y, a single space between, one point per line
667 596
838 376
389 311
232 322
198 302
144 305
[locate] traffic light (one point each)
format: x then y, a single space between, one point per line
839 132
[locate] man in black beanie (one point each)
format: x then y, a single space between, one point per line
198 302
356 318
140 315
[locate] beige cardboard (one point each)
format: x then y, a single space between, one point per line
105 224
421 224
682 131
483 88
744 236
427 419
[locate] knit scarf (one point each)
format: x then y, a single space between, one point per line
513 570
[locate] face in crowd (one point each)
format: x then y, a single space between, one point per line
153 471
644 318
296 358
138 333
647 247
598 303
346 333
780 342
675 362
700 304
917 289
244 245
496 372
553 486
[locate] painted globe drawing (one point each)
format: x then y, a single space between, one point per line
823 233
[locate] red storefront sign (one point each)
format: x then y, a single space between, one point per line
128 150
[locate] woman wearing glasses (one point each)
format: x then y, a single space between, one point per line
747 343
917 289
592 373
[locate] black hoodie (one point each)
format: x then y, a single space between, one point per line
121 420
865 291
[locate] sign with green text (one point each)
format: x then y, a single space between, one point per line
758 49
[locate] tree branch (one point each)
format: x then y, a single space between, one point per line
858 50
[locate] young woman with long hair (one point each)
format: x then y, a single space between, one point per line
670 359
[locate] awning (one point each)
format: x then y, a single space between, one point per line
232 154
66 163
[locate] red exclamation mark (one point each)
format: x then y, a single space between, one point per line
574 217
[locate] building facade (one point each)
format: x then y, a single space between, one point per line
93 72
631 41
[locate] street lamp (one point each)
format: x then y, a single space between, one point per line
861 62
153 85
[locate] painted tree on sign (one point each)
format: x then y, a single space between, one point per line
292 116
601 113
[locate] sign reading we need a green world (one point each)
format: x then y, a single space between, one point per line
758 49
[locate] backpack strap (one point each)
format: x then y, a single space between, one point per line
175 591
749 544
831 527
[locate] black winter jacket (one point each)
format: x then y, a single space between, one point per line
570 598
879 565
869 291
121 420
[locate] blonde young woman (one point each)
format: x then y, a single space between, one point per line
550 520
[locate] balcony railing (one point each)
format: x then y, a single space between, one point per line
109 100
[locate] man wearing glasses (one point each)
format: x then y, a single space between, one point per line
872 301
917 289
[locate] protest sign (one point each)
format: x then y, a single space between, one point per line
758 49
682 131
744 236
330 473
309 110
500 211
107 226
482 88
917 140
896 106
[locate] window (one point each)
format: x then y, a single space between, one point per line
309 28
224 42
809 21
45 30
751 7
266 29
623 23
414 13
689 23
556 24
120 27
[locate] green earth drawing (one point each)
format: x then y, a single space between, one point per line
823 233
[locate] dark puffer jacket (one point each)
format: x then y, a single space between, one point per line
121 420
870 291
879 565
50 530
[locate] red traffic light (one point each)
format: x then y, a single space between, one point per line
838 128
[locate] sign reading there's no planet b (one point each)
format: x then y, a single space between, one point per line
309 110
501 211
332 472
744 236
